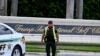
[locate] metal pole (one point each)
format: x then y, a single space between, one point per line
14 7
70 9
79 9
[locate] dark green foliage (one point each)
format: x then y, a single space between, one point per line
55 8
91 9
9 7
42 8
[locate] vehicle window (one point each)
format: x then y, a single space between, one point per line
4 30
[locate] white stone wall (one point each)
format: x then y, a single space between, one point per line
63 38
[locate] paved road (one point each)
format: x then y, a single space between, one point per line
67 53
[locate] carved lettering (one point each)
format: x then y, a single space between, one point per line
62 29
23 29
96 30
83 30
66 30
40 29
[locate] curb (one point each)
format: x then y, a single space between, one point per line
69 53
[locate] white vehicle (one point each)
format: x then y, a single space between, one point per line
11 42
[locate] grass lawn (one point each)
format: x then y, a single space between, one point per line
89 47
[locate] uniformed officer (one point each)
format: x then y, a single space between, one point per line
50 37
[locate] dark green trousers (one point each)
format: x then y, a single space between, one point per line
52 45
